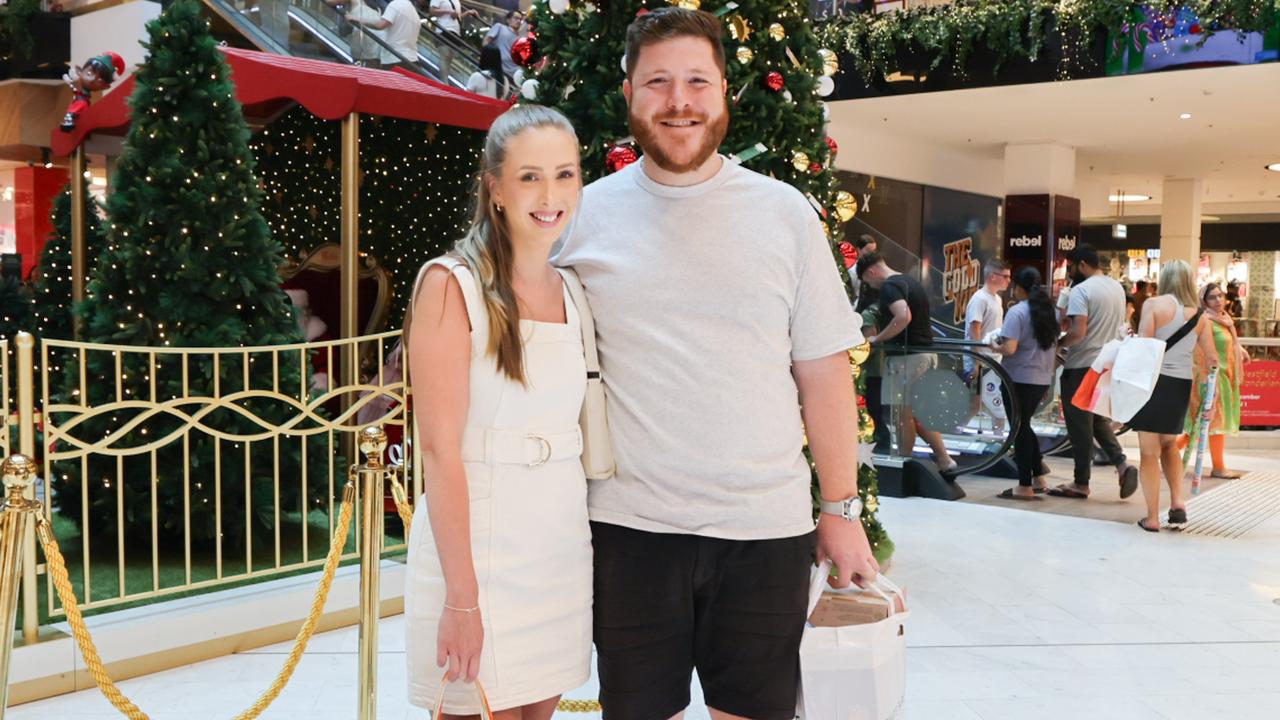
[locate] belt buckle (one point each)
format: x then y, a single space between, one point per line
544 450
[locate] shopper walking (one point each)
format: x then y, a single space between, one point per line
1177 318
1028 343
1095 311
1230 357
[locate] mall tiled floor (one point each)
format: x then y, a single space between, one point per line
1015 615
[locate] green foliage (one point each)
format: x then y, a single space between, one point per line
583 78
15 27
415 189
1014 29
51 286
189 262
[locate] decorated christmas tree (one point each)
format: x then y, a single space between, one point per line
189 262
51 285
777 75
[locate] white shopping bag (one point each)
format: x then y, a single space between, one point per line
1134 374
854 672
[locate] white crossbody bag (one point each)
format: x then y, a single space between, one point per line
597 450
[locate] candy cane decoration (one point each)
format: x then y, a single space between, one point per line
1202 428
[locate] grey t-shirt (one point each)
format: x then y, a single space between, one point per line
504 38
1101 300
1031 364
704 297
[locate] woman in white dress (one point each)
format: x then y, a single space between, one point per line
499 579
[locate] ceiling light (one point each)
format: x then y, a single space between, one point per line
1128 198
1274 167
1209 218
1185 116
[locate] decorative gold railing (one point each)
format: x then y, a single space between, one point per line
139 442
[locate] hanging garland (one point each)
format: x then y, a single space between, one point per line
1017 29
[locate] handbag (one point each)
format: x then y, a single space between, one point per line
854 670
597 448
486 713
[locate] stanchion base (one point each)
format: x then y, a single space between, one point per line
914 477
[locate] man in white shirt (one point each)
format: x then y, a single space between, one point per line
704 540
401 23
984 313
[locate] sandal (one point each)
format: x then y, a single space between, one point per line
1177 516
1009 494
1142 524
1226 474
1068 492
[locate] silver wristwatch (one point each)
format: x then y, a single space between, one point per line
850 508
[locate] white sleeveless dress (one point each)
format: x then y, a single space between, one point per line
530 540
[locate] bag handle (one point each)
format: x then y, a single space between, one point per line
818 583
1187 327
579 297
486 713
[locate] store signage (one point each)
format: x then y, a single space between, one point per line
1153 254
1260 394
1066 243
1023 241
960 274
1120 231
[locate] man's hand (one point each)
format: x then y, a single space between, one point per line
845 544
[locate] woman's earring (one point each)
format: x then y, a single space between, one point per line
498 206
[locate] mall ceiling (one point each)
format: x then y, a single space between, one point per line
1129 132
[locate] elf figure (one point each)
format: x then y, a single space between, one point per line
96 74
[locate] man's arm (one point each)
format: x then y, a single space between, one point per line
1076 331
829 409
901 319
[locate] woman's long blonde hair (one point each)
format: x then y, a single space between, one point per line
1175 280
486 246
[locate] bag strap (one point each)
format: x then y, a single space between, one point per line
579 297
486 713
1187 327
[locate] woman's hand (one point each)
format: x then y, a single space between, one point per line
458 641
1245 359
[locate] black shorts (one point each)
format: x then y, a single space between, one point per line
667 604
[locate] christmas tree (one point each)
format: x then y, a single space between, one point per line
51 285
777 74
189 262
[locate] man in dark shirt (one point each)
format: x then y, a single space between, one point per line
904 307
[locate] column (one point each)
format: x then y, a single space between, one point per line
1039 169
1261 303
34 191
1180 207
1041 213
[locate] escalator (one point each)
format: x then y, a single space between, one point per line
318 30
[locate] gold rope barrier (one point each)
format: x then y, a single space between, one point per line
58 569
405 511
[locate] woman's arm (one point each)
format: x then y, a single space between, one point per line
1147 325
440 365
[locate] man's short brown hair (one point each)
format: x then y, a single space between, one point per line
673 22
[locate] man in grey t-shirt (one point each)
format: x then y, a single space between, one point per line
502 36
723 331
1094 311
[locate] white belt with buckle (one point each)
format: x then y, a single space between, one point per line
519 447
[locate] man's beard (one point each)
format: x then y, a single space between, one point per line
713 132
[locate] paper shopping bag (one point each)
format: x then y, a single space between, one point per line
853 654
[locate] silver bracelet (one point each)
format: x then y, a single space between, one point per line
462 610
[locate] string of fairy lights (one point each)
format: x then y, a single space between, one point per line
416 183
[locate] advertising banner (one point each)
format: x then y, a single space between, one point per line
962 231
1260 394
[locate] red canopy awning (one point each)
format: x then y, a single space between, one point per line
327 90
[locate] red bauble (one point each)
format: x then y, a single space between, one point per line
522 50
620 156
850 254
831 143
815 168
774 81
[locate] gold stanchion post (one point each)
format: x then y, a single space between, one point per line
78 229
16 518
27 446
373 440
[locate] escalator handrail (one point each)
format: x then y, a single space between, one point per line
250 31
961 347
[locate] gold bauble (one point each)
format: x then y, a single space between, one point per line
846 206
830 62
777 32
744 55
867 430
872 503
739 28
688 4
800 161
860 353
